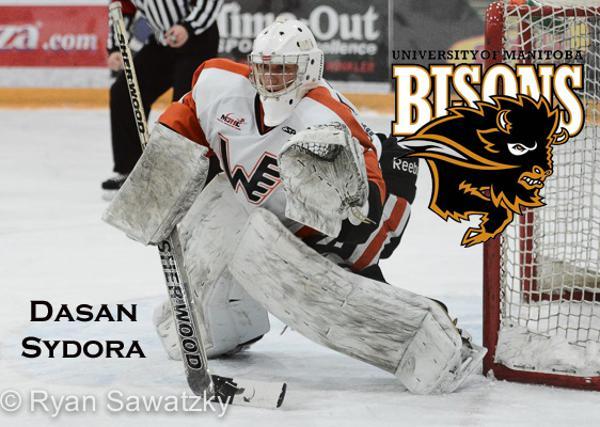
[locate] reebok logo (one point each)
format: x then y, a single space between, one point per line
400 164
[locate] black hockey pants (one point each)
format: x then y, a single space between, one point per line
158 68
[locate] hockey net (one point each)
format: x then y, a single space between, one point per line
542 276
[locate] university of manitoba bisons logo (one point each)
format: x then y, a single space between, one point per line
492 158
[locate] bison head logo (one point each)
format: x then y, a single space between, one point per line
491 160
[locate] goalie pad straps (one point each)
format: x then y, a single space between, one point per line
386 326
161 188
324 178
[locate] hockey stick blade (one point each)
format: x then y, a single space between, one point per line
258 394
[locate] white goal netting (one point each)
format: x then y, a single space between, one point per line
550 257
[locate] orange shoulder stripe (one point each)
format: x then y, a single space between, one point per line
181 116
222 64
323 96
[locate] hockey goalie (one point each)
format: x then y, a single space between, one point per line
284 203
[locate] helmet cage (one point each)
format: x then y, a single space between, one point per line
266 71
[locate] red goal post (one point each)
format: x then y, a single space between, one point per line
541 296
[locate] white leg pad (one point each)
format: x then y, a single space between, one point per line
231 318
429 358
165 328
386 326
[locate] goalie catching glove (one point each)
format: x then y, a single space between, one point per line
324 178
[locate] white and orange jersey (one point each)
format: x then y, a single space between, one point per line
223 112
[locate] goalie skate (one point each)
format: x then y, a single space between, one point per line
471 356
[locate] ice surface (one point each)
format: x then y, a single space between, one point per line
54 247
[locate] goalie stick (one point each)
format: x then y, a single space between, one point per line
199 379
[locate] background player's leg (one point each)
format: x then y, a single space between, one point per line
154 67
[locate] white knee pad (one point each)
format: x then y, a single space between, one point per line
232 320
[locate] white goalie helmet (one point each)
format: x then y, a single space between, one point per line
286 63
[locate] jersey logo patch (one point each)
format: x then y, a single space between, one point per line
259 183
231 121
